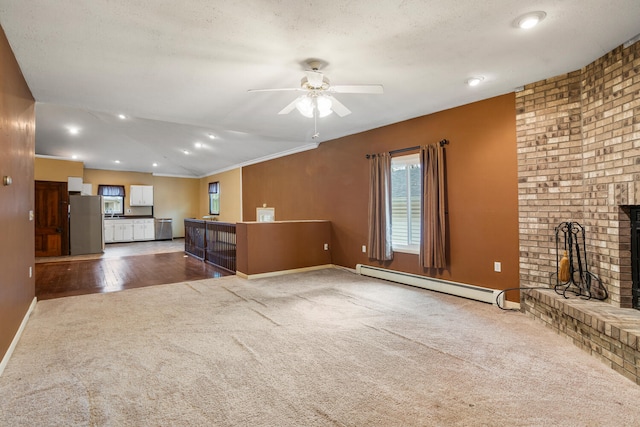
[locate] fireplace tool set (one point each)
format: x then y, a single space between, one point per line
572 272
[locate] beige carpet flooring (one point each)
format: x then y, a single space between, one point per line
325 348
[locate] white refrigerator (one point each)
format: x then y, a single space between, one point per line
86 225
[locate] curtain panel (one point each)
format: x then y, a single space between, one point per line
111 190
380 208
432 245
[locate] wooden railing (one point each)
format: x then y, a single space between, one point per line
220 247
211 241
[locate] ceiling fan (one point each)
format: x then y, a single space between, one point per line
318 99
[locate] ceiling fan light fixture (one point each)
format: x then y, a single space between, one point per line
305 106
324 106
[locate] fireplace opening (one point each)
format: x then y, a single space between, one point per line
635 255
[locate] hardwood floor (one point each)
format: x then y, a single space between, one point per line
109 273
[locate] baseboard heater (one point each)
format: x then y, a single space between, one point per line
473 292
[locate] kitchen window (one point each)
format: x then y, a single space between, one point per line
112 199
214 198
405 203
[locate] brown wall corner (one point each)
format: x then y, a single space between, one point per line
17 235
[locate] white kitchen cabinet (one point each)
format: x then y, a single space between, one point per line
143 229
141 195
118 230
129 230
123 231
74 184
109 230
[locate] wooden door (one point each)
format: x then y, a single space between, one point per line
52 218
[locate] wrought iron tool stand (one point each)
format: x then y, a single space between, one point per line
570 237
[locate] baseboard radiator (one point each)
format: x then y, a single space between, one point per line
473 292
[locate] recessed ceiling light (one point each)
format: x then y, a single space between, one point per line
122 116
75 156
74 130
198 144
475 81
117 161
530 20
154 165
185 151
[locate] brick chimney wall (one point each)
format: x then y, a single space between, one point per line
578 139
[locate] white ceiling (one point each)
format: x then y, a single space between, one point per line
181 70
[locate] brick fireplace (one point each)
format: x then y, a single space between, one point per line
578 141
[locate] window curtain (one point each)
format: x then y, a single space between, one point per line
213 187
111 190
380 208
432 245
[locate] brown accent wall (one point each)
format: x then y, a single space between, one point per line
579 160
264 247
17 145
331 183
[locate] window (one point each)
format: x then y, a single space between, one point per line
214 198
112 198
405 203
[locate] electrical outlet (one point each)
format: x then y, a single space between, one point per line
326 246
364 249
497 267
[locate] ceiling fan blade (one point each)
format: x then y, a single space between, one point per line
289 108
357 89
339 108
288 89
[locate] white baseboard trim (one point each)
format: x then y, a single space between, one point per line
16 338
282 272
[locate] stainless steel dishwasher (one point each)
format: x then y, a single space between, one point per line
164 228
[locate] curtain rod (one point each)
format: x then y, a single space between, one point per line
442 143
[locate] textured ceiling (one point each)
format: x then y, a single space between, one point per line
181 70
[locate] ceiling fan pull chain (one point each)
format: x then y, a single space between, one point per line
315 124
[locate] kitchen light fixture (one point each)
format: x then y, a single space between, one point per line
474 81
530 20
